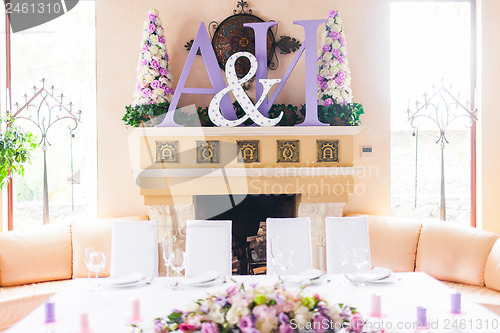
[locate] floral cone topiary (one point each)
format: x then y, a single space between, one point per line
334 75
154 81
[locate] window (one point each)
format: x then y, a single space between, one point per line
430 45
62 52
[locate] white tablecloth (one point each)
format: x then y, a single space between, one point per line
110 308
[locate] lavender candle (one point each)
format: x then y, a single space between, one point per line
50 312
421 316
456 302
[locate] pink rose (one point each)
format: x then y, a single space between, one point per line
146 92
335 35
342 41
332 13
209 327
341 59
336 53
285 328
163 71
339 80
161 39
156 84
151 17
324 85
246 324
154 64
326 48
151 28
186 327
356 324
328 102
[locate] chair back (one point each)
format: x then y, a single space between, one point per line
134 248
347 245
208 247
288 245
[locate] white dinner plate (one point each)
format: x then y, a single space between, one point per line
376 275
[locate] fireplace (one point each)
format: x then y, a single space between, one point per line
247 212
244 174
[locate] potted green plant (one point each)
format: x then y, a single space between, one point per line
16 146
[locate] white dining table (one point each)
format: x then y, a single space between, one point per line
110 308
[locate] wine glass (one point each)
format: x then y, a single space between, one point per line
86 259
281 254
178 263
167 245
97 262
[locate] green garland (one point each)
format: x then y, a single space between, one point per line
335 115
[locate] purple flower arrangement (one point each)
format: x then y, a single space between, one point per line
154 80
262 308
334 79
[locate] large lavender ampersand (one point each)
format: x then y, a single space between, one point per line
246 104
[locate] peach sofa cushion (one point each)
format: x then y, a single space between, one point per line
393 242
492 269
17 302
454 253
38 255
96 234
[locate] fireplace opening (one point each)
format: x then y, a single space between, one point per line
248 213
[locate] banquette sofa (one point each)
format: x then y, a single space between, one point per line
36 264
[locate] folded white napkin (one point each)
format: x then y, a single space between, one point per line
376 274
310 274
202 278
127 279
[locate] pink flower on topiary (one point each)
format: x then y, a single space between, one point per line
163 71
328 102
166 56
144 62
332 13
341 59
151 28
324 85
335 35
156 84
146 92
161 39
320 79
154 64
342 41
151 17
336 53
326 48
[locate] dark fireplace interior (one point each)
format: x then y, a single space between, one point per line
247 212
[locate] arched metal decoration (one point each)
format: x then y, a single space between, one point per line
230 36
441 107
44 110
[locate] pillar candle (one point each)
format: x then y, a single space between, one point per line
421 316
84 323
136 310
456 302
376 305
50 312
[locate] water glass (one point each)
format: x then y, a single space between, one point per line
86 259
178 261
97 262
168 246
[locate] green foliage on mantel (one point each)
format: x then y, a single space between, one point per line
335 115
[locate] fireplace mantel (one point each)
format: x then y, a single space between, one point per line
169 164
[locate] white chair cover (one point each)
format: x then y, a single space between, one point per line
208 247
283 235
347 245
134 248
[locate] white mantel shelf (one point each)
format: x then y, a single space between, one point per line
251 131
252 172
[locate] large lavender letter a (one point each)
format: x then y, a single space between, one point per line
202 43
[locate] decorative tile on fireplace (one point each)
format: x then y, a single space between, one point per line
248 151
288 151
167 151
207 151
328 150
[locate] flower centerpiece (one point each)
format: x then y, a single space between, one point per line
262 308
154 81
334 77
